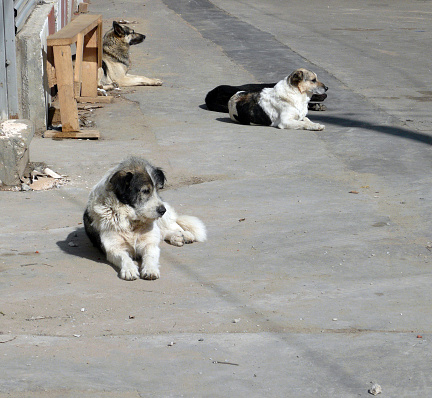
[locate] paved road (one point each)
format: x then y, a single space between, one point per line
378 51
304 287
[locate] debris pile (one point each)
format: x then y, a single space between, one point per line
39 177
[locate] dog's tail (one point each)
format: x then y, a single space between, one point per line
194 225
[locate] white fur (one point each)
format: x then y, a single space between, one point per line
287 107
129 234
118 76
286 104
179 230
232 108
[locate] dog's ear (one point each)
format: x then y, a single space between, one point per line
120 182
159 177
118 29
296 77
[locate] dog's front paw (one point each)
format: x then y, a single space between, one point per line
157 82
317 107
177 239
150 273
129 272
316 127
188 237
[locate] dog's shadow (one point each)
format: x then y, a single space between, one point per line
219 119
225 120
78 244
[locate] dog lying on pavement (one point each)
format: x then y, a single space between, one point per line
217 99
116 59
126 219
284 106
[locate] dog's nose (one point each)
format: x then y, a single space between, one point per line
161 210
325 88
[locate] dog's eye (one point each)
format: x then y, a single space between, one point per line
145 190
313 80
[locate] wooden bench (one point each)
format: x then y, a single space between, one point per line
75 83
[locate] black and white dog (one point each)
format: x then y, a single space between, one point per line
284 106
126 219
217 99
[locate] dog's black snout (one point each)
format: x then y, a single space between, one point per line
325 87
161 210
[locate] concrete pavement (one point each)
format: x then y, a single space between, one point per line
304 288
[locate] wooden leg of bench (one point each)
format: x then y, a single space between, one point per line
64 73
90 64
78 65
99 43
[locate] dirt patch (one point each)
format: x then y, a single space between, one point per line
181 181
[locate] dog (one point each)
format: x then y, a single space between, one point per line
217 99
126 219
116 59
283 106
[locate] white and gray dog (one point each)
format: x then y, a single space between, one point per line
126 219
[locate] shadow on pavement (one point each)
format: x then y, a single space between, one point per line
346 122
78 244
390 130
225 120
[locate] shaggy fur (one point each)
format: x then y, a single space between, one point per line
116 59
284 106
126 219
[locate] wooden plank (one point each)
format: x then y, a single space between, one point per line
84 23
50 68
94 100
100 46
82 7
89 77
79 84
84 134
78 64
64 72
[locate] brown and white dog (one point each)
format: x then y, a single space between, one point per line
284 106
126 219
116 59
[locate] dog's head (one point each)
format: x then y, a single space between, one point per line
137 185
127 34
306 82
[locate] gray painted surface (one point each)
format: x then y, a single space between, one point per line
3 87
8 89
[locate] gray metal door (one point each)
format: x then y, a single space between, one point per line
8 67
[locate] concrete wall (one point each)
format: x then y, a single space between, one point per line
15 138
33 91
